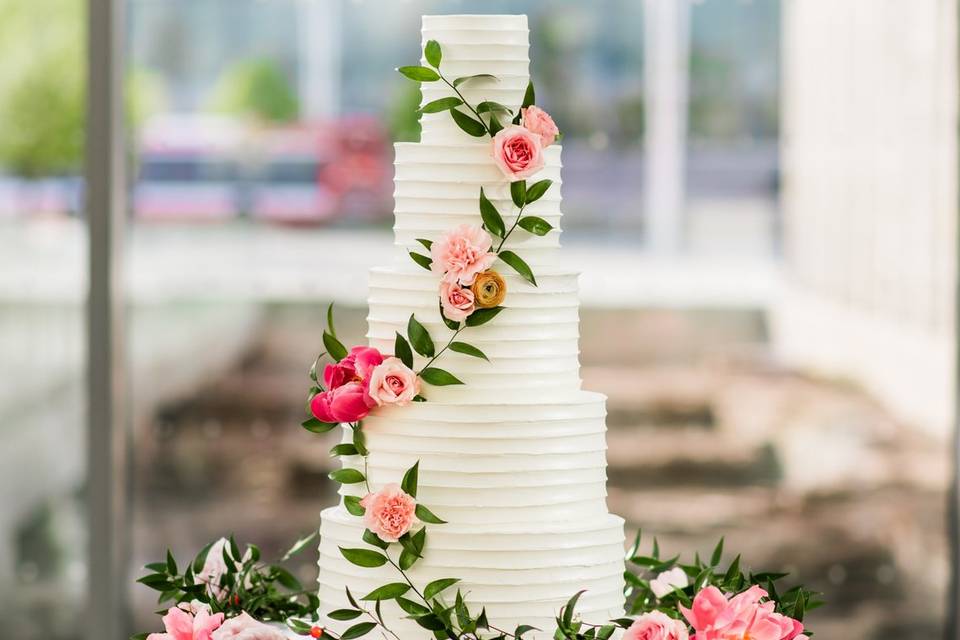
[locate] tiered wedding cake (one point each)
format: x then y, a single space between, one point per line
514 459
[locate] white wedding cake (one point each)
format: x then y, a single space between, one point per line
514 459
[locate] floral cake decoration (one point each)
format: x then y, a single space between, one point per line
223 594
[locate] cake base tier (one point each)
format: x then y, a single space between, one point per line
521 573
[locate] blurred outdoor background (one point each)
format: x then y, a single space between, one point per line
778 179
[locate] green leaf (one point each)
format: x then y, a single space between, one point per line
401 349
489 106
334 347
535 225
529 96
420 338
717 554
441 104
358 630
518 191
344 614
156 581
468 349
171 564
571 605
352 505
156 567
286 578
428 516
420 74
439 377
478 76
469 124
411 607
494 124
518 265
482 316
412 548
436 587
347 476
410 480
492 219
422 260
432 53
427 244
364 557
388 591
537 189
316 426
330 327
360 441
299 546
374 540
343 449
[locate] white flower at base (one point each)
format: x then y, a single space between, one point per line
667 581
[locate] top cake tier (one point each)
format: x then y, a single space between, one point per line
475 44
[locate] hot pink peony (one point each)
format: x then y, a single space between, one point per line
656 625
741 617
457 302
518 152
243 627
181 625
355 367
392 382
462 253
389 512
539 121
347 403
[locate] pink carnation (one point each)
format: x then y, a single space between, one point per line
715 617
457 302
518 152
355 367
243 627
462 253
392 382
656 625
347 403
539 121
181 625
389 512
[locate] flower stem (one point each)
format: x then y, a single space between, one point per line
465 103
441 352
507 234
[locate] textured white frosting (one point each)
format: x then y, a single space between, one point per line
514 459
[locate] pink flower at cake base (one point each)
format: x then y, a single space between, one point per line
517 152
390 512
462 253
539 121
243 627
715 617
393 382
355 367
656 625
457 303
181 625
347 403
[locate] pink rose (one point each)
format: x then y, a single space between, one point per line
347 403
539 121
214 568
181 625
457 302
517 152
389 512
392 382
715 617
462 253
243 627
656 625
355 367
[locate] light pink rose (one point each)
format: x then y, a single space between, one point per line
392 382
715 617
243 627
667 581
214 568
517 152
539 121
462 253
389 512
355 367
656 625
181 625
347 403
457 302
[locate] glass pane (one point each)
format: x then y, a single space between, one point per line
42 289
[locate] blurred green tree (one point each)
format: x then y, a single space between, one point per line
258 89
